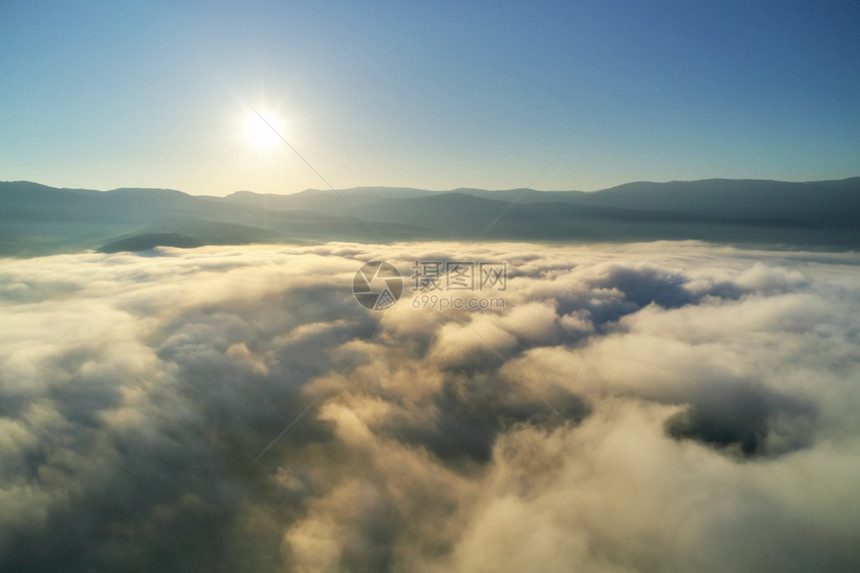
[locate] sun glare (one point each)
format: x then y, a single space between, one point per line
263 133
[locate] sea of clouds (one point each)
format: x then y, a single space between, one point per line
641 407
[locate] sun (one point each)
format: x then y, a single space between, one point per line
262 130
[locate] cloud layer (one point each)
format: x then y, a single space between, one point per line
662 406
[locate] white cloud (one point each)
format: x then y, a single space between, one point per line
717 384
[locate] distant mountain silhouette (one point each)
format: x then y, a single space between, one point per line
37 219
820 203
328 201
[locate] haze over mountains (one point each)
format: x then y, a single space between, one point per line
37 219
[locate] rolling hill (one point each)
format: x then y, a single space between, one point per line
36 219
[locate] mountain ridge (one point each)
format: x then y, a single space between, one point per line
39 219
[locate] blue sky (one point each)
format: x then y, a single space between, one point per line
434 95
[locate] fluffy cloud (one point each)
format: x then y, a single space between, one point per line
662 406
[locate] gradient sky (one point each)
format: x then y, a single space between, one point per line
433 95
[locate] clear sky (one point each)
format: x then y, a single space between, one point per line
434 95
